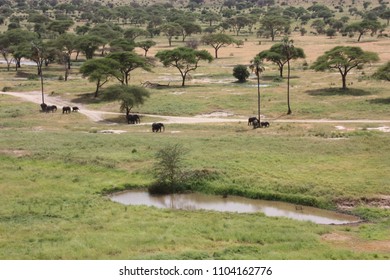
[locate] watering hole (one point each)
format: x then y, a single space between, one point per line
196 201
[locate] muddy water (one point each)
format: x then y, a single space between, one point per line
195 201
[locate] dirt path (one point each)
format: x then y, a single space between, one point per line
98 116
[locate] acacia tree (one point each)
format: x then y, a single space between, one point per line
278 55
128 96
39 52
146 45
128 62
363 27
88 44
12 40
344 59
274 23
217 41
66 43
170 30
184 59
100 70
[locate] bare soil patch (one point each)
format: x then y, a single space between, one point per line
347 241
379 202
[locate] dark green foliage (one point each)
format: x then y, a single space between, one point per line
168 170
184 59
241 73
344 59
383 73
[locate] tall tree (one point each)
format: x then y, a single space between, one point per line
344 59
170 30
274 23
277 55
128 62
289 52
217 41
363 27
128 96
39 52
184 59
257 67
239 22
66 43
88 44
100 70
13 39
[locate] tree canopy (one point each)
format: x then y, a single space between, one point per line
184 59
217 41
278 55
344 59
128 96
383 73
100 70
128 62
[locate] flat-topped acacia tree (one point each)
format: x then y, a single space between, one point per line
217 41
344 59
184 59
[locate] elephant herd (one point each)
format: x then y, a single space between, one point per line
256 123
53 108
135 119
159 127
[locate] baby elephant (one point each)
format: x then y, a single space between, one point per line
264 124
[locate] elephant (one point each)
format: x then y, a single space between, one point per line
156 127
264 124
250 120
133 119
66 110
256 123
50 108
75 109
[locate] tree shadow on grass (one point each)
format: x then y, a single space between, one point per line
380 101
337 91
86 98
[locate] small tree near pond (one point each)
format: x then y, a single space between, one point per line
168 169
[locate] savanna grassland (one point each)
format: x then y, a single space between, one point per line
57 169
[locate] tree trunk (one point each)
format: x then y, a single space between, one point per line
184 80
97 88
288 88
360 36
258 95
344 79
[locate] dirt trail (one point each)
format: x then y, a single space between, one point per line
98 116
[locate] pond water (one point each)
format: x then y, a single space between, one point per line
196 201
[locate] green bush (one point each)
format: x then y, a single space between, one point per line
241 73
